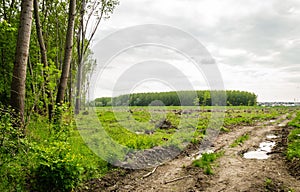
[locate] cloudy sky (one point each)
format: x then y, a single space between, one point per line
255 45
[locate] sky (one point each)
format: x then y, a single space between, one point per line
251 45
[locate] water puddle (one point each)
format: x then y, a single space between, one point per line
271 136
272 121
256 155
262 151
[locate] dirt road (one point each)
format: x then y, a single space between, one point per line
233 173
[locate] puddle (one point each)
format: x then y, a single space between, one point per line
266 146
271 136
261 152
281 125
256 155
272 121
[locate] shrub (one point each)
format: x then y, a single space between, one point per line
58 169
13 157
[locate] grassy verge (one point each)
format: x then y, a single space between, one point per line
293 150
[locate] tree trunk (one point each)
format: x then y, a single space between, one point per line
48 105
78 90
80 50
70 86
17 99
68 54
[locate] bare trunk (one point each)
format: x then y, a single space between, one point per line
17 99
68 54
70 86
80 50
78 89
49 105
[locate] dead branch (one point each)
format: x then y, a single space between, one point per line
219 148
177 179
150 173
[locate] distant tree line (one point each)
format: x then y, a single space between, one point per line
184 98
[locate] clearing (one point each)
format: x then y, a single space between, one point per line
232 172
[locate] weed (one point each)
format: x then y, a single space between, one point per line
207 161
240 140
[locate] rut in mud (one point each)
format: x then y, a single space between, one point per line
233 173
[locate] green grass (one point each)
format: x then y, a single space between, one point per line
88 144
293 150
131 128
240 140
207 161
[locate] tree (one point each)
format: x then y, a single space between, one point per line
68 53
90 10
49 104
17 99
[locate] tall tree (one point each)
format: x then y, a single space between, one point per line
94 10
17 99
44 58
68 53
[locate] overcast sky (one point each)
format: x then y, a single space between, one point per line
255 45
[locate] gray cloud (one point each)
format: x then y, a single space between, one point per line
254 40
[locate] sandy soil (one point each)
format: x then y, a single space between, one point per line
232 173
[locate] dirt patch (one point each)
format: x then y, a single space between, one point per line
236 173
165 124
233 173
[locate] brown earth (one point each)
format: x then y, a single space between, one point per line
232 173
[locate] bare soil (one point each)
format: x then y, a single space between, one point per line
232 173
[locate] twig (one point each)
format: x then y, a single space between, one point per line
150 173
273 152
177 179
219 148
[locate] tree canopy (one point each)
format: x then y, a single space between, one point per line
182 98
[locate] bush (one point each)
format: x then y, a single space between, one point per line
13 153
58 169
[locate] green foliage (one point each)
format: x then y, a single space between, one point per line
240 140
206 162
57 170
8 34
13 153
182 98
10 137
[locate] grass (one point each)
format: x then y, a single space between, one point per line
293 150
207 161
240 140
95 141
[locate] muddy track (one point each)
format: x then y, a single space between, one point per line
233 173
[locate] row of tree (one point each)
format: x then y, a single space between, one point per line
181 98
44 48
